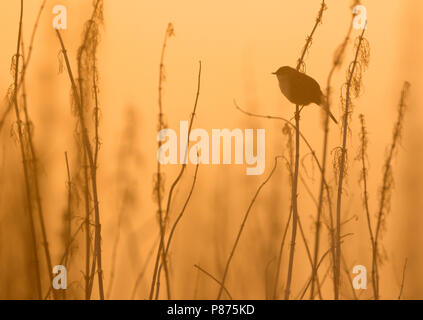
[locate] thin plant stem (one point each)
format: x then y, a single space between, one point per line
350 281
87 223
294 192
241 229
26 174
159 184
178 219
213 278
342 173
116 245
69 204
318 266
184 164
175 183
387 182
364 174
279 260
294 201
310 259
34 169
25 164
24 66
67 250
93 170
403 279
313 153
89 47
336 64
142 272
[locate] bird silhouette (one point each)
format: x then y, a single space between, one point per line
299 88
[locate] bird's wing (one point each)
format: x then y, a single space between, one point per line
299 89
311 89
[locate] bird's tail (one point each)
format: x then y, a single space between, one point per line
332 117
323 105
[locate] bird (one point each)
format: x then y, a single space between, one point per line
299 88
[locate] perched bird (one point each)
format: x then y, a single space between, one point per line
299 88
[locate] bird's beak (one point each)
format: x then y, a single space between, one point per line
273 72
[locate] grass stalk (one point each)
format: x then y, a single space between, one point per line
33 165
363 178
183 167
23 141
93 169
178 219
159 184
214 279
87 224
294 192
387 185
403 279
241 229
24 67
336 64
342 164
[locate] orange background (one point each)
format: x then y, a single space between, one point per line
239 43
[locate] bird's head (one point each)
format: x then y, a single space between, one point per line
283 71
